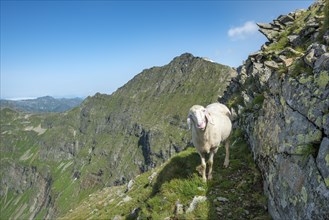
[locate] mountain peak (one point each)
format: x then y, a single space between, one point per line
185 58
46 98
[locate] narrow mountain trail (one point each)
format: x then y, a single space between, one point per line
175 191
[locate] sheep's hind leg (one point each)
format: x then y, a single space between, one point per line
202 168
227 154
210 163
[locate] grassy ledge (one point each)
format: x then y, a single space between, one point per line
234 192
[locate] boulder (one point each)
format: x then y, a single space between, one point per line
319 49
285 19
297 13
322 160
322 63
312 23
130 185
294 39
179 209
271 64
288 62
196 200
222 199
309 58
288 51
314 51
264 25
277 23
271 32
326 37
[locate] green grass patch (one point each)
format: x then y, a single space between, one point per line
280 44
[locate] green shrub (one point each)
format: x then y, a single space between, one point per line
259 99
299 67
325 25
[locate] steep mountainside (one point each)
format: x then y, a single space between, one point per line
42 104
50 162
281 96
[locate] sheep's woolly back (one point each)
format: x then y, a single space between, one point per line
222 123
218 107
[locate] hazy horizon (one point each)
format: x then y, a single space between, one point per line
32 98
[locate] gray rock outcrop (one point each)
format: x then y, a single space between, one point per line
281 96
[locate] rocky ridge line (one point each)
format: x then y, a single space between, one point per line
281 96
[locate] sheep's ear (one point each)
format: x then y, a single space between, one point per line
209 118
189 122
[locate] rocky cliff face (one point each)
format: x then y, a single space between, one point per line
53 161
24 181
281 96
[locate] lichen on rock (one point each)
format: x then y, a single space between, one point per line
288 133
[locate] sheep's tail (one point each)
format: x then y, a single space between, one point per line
232 114
227 111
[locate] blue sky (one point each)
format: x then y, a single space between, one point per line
78 48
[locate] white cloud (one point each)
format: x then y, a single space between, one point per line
242 32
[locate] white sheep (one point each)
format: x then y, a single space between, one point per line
210 126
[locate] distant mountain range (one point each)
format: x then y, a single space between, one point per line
42 104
